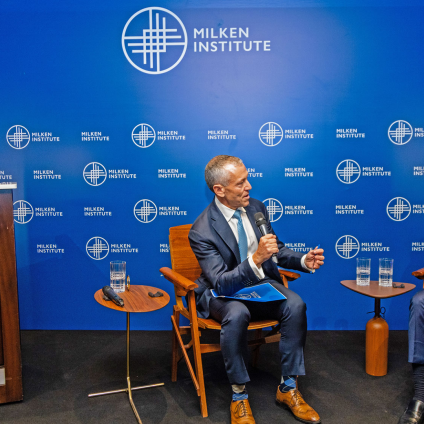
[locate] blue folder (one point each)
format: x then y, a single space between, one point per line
264 292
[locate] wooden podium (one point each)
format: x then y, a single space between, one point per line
10 342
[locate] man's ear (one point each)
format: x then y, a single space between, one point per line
219 190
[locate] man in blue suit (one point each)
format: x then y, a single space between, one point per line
233 254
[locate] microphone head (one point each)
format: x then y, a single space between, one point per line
108 290
260 219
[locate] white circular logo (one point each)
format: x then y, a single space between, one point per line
97 248
22 212
143 135
348 171
145 211
347 247
154 40
274 208
270 134
398 209
95 174
18 137
400 132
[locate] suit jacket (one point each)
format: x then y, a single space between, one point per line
216 249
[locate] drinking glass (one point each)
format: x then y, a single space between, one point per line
117 275
385 272
363 270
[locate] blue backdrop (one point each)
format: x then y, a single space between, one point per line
109 116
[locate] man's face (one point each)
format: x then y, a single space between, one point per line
236 193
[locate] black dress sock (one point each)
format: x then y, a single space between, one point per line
418 376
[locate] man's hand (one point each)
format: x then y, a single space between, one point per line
314 258
267 246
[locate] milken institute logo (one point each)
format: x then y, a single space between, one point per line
400 132
398 209
347 247
97 248
162 44
270 134
143 135
18 137
94 174
145 211
22 211
274 208
348 171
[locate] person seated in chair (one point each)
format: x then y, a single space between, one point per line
414 413
233 255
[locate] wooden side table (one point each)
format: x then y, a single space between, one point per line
377 329
136 299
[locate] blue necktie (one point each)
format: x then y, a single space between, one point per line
242 238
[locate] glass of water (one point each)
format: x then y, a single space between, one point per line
117 275
385 272
363 270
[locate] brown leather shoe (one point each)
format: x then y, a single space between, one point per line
241 412
300 409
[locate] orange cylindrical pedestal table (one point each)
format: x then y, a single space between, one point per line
376 346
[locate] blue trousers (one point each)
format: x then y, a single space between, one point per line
235 315
416 329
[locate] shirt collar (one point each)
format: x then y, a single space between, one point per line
226 211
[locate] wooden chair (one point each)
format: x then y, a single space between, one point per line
419 274
185 270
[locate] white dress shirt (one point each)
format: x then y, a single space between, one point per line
252 242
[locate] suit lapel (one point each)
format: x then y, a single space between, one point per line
220 224
251 215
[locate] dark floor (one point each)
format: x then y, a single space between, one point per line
60 368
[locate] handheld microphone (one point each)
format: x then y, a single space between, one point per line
263 228
110 294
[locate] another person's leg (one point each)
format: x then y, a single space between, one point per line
414 413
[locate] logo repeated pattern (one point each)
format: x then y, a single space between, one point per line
270 134
97 248
95 174
18 137
274 208
347 247
143 135
398 209
145 211
22 212
348 171
400 132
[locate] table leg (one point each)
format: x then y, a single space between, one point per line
376 343
129 389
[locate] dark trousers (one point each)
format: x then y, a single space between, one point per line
416 329
235 315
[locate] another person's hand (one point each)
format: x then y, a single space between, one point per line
267 246
314 258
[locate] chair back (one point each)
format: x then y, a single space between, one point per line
183 259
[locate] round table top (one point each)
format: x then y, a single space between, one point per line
137 299
376 291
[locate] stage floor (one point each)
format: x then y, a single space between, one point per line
60 368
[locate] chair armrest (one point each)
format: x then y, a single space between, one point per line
419 274
289 274
178 280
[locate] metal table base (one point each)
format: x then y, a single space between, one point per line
128 389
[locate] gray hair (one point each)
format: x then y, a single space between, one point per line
216 172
